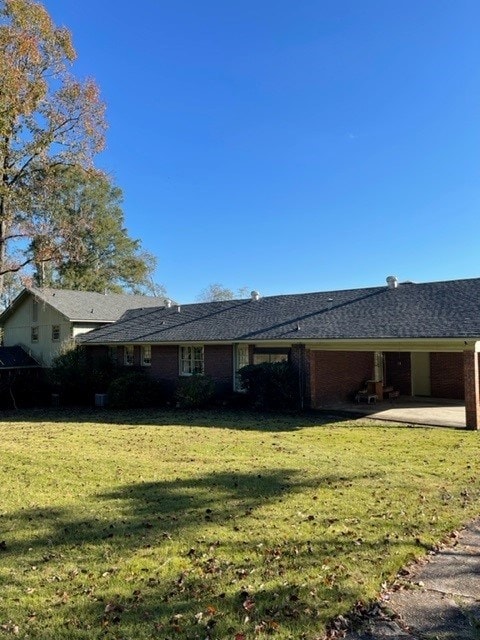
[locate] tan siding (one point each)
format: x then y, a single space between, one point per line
18 328
79 328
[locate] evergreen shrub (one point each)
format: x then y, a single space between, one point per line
194 391
271 385
134 390
76 378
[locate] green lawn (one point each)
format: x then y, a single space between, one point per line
205 525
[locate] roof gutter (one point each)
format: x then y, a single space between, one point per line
362 344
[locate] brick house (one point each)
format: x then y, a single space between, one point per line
420 339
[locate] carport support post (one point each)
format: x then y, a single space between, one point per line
472 391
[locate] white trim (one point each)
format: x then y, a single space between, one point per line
126 350
364 344
402 345
142 355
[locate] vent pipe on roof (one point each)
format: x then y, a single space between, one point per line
167 302
392 282
179 308
255 295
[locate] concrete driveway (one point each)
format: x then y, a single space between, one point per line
426 411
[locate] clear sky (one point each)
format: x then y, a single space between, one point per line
290 146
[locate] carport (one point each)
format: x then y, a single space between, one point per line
438 380
423 411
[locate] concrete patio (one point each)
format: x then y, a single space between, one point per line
424 411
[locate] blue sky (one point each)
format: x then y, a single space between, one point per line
290 146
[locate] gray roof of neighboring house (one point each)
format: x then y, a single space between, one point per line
16 358
84 306
448 309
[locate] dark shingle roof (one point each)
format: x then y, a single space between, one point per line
86 306
16 358
429 310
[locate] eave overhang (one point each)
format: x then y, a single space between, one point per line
360 344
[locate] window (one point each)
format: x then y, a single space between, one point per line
34 334
55 332
191 360
241 360
34 310
259 358
128 355
146 355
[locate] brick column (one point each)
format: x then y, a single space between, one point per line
472 391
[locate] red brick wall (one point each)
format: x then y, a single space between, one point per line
136 356
117 354
164 366
446 375
338 375
398 370
328 375
97 353
219 365
472 401
164 362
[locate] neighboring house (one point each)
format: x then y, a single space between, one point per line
419 339
46 321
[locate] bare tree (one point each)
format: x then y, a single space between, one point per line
217 291
47 119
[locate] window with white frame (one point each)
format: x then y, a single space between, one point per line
34 334
146 355
272 355
128 355
241 360
55 332
191 360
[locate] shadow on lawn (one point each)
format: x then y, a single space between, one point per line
226 568
143 513
240 420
